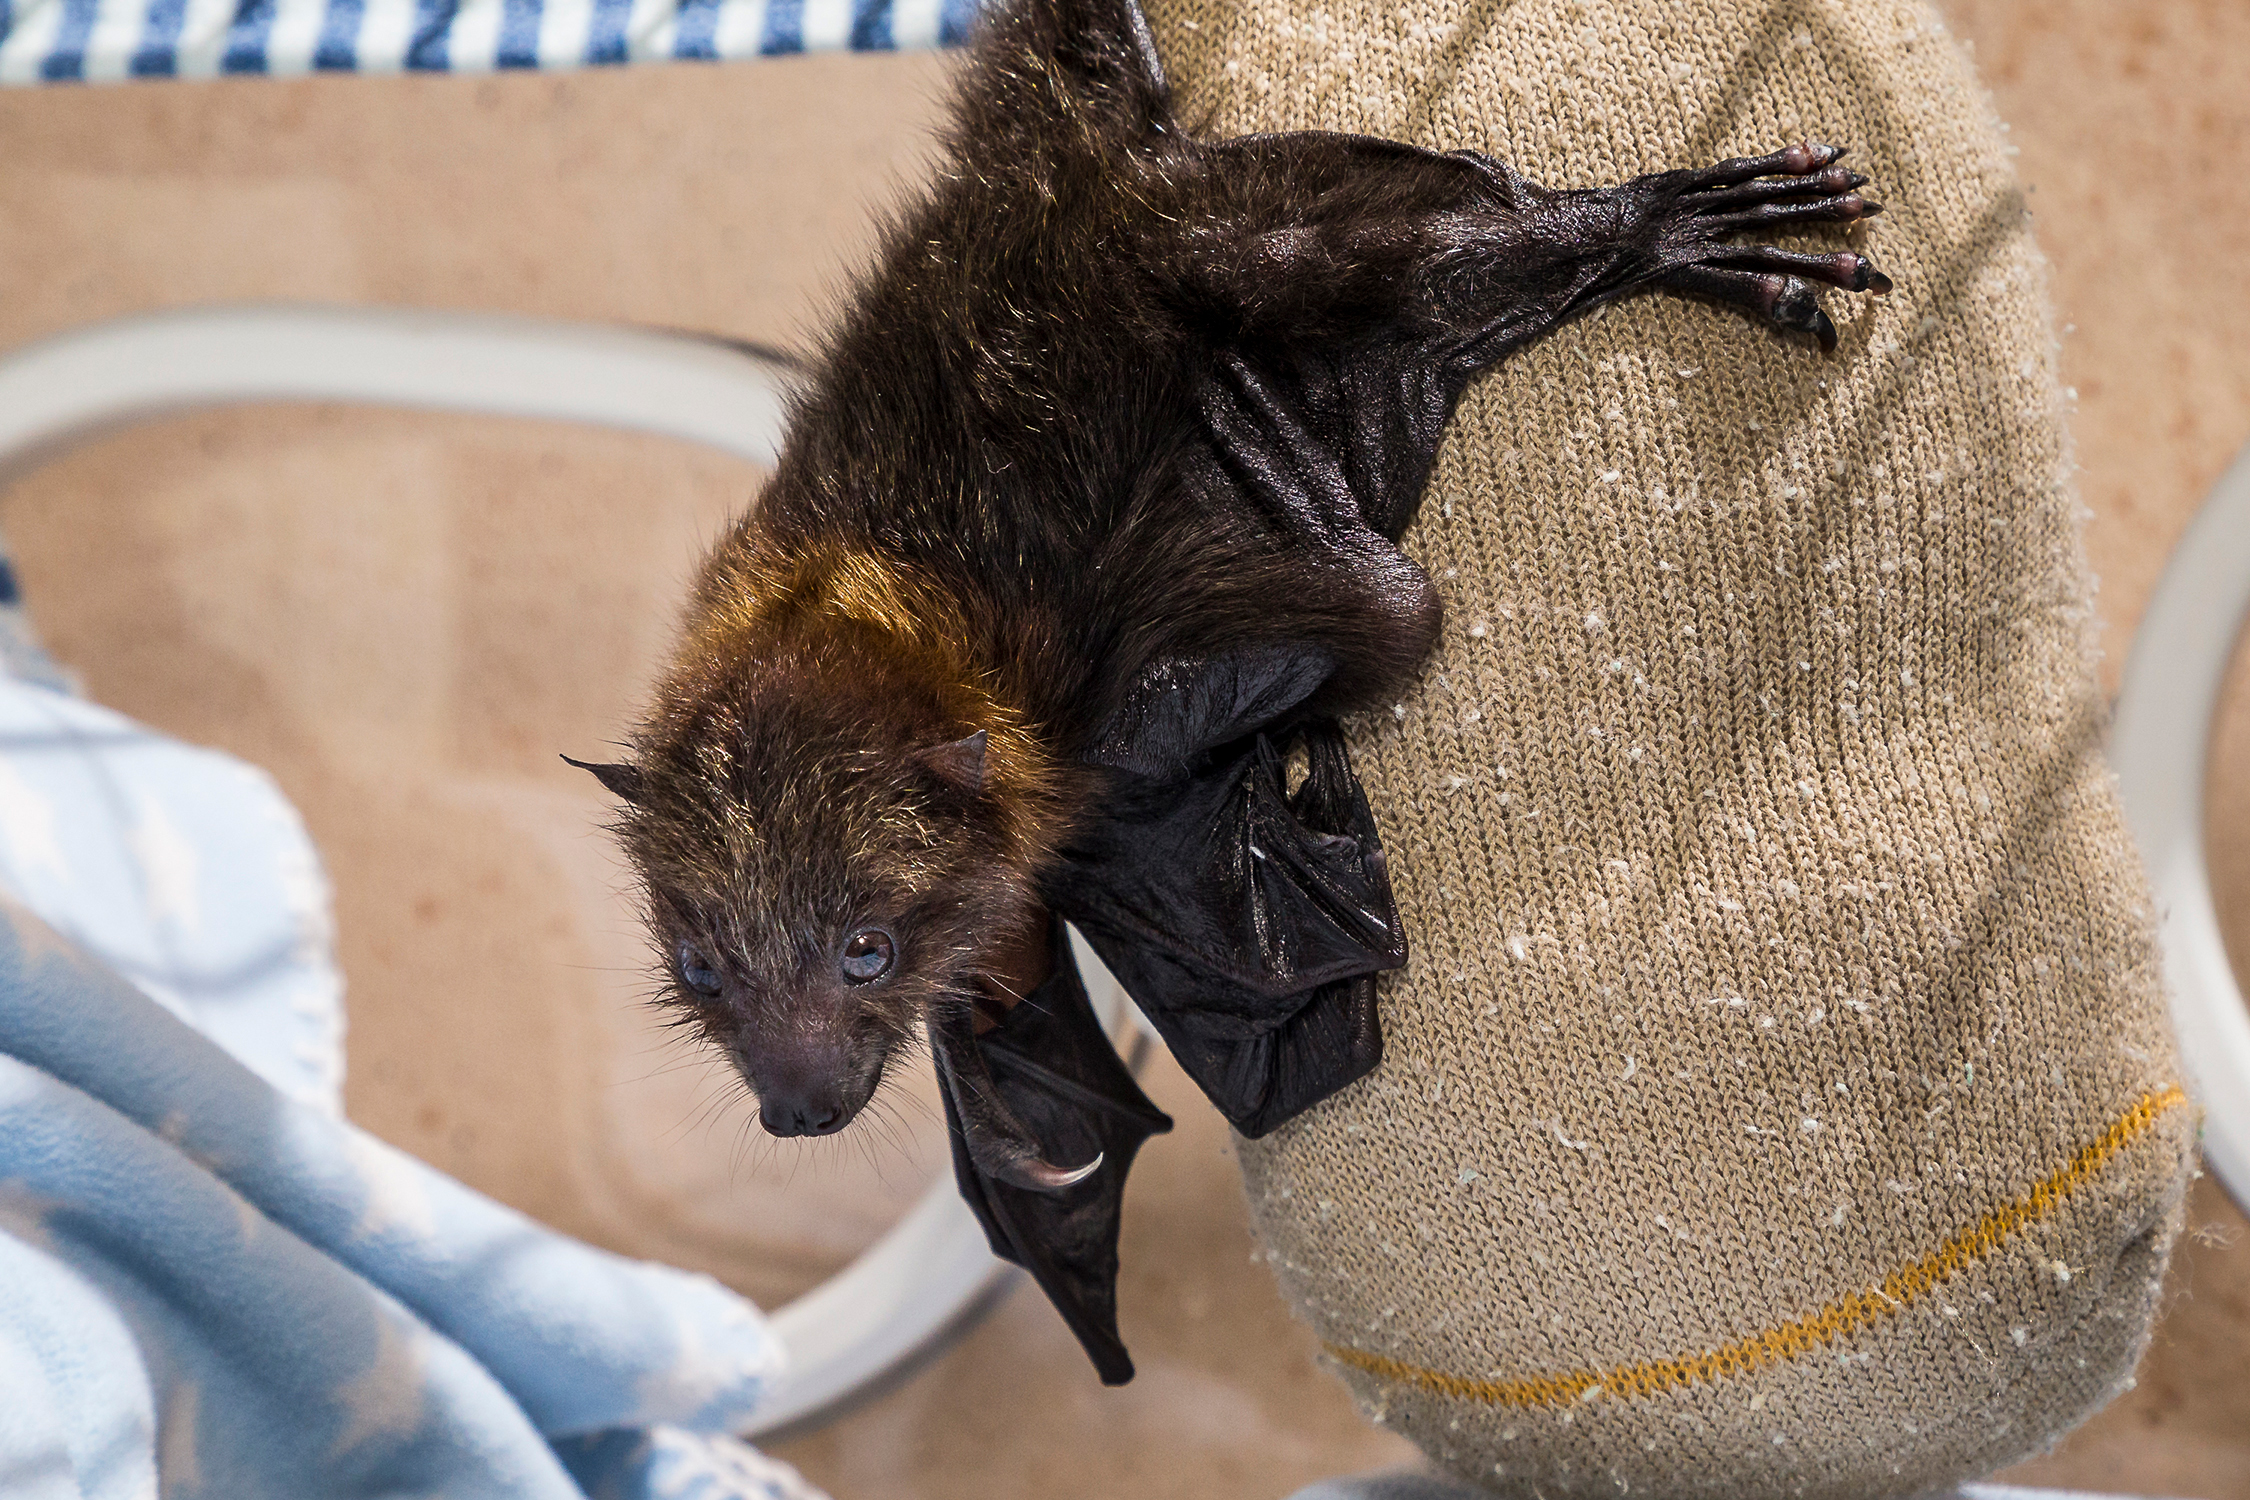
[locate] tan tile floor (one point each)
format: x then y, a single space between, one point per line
405 617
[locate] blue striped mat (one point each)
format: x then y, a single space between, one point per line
55 41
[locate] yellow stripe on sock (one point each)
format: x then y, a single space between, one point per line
1788 1340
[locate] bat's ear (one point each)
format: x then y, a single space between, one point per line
1141 47
1104 47
959 764
621 777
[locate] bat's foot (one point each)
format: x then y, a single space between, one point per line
1798 186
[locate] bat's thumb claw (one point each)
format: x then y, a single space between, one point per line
1000 1145
1046 1177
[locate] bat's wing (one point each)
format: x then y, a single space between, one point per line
1333 445
1247 920
1182 708
1054 1071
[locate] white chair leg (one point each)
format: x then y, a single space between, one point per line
2160 745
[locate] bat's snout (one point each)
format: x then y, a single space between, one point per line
821 1112
807 1089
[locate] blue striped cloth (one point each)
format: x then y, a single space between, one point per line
57 41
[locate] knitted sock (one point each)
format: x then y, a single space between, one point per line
1779 1099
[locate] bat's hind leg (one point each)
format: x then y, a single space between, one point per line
1697 254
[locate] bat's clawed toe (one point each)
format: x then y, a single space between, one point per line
1791 161
1775 295
1808 155
1801 184
1821 329
1846 270
1795 304
1765 211
1798 186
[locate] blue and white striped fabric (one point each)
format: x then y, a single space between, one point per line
60 41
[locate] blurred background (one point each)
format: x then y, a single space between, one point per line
405 617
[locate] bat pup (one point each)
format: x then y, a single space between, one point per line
1085 525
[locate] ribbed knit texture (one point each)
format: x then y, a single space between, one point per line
1779 1099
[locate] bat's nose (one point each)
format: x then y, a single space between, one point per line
806 1084
820 1112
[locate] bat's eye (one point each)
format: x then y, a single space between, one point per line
868 955
696 972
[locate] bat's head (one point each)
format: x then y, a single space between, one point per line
830 849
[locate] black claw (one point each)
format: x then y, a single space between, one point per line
1825 331
1794 304
1877 282
1869 208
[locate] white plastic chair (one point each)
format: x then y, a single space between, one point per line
2160 745
928 1273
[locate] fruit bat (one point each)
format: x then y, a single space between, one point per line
1083 538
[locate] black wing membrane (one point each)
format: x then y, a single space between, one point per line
1056 1072
1247 920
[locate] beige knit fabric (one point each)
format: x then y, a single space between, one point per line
1778 1100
